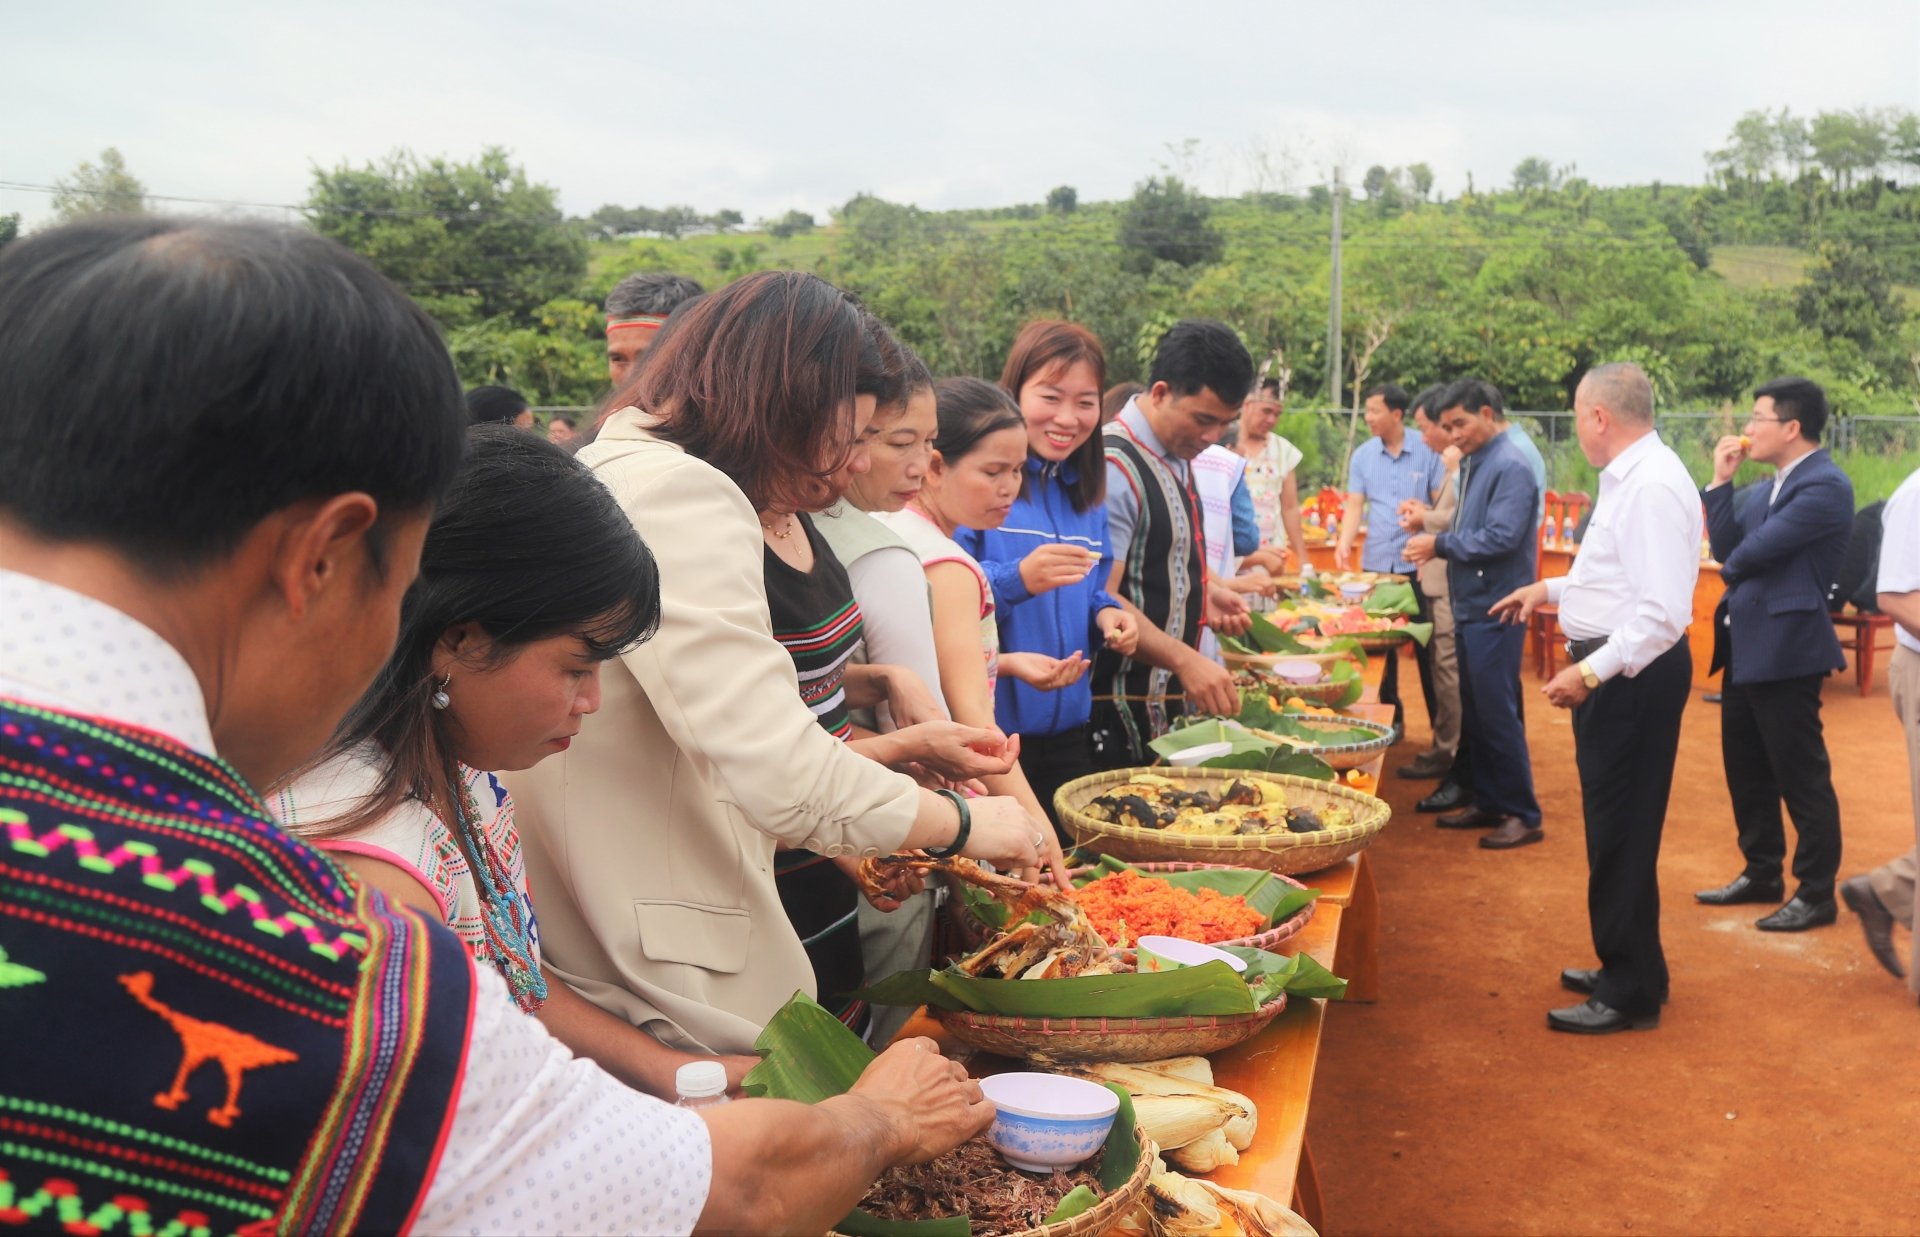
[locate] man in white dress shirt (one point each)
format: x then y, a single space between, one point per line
202 559
1624 610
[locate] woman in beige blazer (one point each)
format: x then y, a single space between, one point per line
650 843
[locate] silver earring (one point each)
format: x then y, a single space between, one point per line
440 699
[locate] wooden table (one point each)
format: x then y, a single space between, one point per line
1708 589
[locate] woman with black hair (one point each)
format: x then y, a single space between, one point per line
530 578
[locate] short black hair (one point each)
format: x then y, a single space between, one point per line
1392 393
650 294
265 365
1270 386
1473 394
560 418
494 405
1428 401
1202 354
1798 399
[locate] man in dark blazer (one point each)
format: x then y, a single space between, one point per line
1772 634
1490 552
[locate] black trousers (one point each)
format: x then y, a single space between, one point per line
1493 718
1050 761
1774 748
1423 653
1626 737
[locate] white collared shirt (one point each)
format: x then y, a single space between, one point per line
1780 478
541 1141
1900 550
1633 578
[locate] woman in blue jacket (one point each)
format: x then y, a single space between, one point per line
1047 560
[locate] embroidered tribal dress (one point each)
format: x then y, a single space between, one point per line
414 839
817 621
1165 577
207 1028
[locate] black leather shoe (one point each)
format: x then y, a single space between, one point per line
1799 915
1875 920
1590 1017
1512 833
1450 795
1469 817
1739 890
1429 765
1584 979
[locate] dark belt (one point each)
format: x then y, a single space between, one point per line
1580 650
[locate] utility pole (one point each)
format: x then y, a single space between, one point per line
1334 396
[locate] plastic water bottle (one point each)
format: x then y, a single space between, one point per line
700 1084
1566 532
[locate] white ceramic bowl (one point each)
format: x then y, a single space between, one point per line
1170 953
1355 591
1200 752
1297 671
1044 1122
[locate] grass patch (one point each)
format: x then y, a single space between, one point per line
1752 267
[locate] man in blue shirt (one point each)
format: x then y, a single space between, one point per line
1490 551
1385 471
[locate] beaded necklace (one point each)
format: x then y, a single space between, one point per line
504 914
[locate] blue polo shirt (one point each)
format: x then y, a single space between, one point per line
1385 480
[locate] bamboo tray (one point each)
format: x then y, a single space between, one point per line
1277 852
1339 756
1271 939
1106 1213
1105 1039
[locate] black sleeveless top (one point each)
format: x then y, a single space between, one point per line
818 622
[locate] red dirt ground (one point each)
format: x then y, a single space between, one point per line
1777 1096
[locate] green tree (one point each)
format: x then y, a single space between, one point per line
105 188
1167 222
1063 199
1848 143
469 241
1532 173
790 224
9 229
1420 180
1849 296
726 220
1376 180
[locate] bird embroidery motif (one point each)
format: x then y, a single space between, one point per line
201 1042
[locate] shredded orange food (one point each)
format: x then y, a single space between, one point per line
1128 905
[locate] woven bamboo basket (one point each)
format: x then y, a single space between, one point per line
1106 1039
976 932
1106 1213
1277 852
1263 663
1325 694
1340 756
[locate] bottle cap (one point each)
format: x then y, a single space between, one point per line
699 1080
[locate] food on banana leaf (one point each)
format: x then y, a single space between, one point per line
1129 905
973 1180
1245 806
1180 1206
1196 1125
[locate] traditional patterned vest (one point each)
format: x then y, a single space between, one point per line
1165 576
204 1027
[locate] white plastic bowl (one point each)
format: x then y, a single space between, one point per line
1048 1122
1199 753
1171 953
1355 591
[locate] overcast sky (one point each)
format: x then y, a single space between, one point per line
763 107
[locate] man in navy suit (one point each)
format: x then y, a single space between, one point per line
1490 552
1773 635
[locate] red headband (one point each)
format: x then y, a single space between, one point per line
636 322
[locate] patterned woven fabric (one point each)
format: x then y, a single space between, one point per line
209 1029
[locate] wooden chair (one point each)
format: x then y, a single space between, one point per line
1865 632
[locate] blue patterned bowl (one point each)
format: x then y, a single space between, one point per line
1048 1122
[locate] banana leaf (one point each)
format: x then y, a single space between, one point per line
1268 638
1212 988
1276 899
1249 750
1394 598
808 1055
